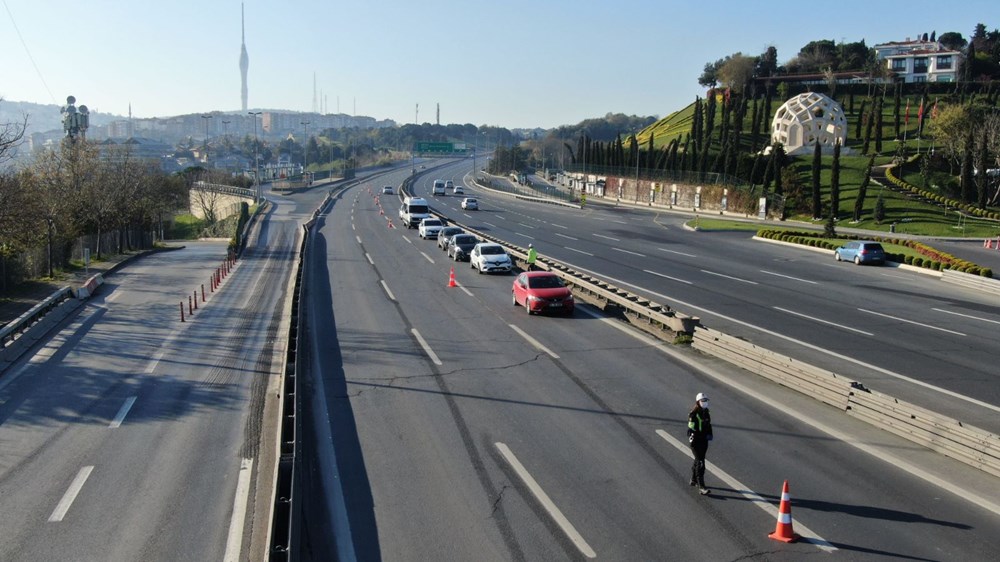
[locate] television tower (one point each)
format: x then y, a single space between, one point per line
244 59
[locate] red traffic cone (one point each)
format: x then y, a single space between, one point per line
783 531
451 278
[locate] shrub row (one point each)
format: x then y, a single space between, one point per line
933 259
941 200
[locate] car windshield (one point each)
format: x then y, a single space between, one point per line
492 250
470 200
466 239
450 230
545 282
418 209
432 222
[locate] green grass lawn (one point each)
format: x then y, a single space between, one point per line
186 227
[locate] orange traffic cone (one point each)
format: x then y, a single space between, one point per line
783 531
451 278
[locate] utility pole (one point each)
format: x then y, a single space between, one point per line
206 118
305 143
256 155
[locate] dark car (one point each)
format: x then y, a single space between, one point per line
461 245
445 234
861 251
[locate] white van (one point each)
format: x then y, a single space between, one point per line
438 188
413 210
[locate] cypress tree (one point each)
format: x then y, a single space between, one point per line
703 161
697 125
968 190
753 127
983 164
879 213
835 182
817 165
869 124
921 121
685 156
672 157
898 98
650 152
861 121
779 166
709 118
755 170
859 203
878 126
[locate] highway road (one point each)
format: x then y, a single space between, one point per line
461 428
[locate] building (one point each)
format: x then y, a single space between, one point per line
920 61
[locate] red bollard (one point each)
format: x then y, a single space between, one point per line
182 311
202 292
190 307
196 299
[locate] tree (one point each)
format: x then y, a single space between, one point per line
817 165
968 187
879 213
11 135
835 182
709 76
869 124
878 125
859 203
862 120
736 72
767 63
949 131
896 102
982 178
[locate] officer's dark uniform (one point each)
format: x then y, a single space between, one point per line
699 434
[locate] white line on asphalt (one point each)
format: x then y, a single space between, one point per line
489 224
546 502
807 345
729 277
427 349
628 252
392 297
607 237
668 277
821 321
533 341
501 217
788 277
164 346
898 319
525 235
358 238
467 215
369 258
564 236
559 225
408 241
578 251
430 259
67 500
113 296
234 543
808 536
353 227
620 222
966 316
676 252
526 225
468 292
122 412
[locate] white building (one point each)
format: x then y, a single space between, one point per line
920 61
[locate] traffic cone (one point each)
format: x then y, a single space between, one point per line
783 531
451 278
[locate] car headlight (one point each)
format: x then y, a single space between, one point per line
533 298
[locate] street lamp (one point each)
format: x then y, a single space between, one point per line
206 118
225 127
256 156
305 141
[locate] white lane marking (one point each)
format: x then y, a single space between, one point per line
369 258
564 236
501 217
607 237
525 235
430 259
808 536
408 241
533 341
578 251
392 297
546 502
898 319
427 349
467 215
358 238
113 296
821 321
122 412
676 252
807 345
468 292
628 252
788 277
67 500
619 222
158 356
558 225
234 542
729 277
668 277
966 316
489 224
526 225
354 228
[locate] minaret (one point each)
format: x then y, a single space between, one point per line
244 59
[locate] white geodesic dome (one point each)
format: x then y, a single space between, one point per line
807 119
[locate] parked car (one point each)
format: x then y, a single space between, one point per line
429 228
460 246
459 190
445 234
489 257
540 291
861 251
470 204
387 190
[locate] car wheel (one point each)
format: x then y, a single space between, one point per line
513 298
527 307
857 260
837 255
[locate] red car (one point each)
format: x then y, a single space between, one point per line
539 291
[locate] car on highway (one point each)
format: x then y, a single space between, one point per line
445 234
387 190
490 257
449 184
470 204
429 228
438 188
542 291
861 251
460 246
459 190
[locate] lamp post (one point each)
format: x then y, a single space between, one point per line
225 127
256 155
206 118
305 142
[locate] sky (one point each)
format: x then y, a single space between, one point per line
510 63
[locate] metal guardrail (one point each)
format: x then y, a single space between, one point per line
953 438
226 189
975 282
12 331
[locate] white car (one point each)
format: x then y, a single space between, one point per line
470 204
449 184
459 190
489 257
387 190
429 228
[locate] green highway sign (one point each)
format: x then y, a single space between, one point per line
441 148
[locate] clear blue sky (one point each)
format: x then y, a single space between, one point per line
512 63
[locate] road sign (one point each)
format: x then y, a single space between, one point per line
440 148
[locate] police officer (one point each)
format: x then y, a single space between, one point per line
699 433
532 257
